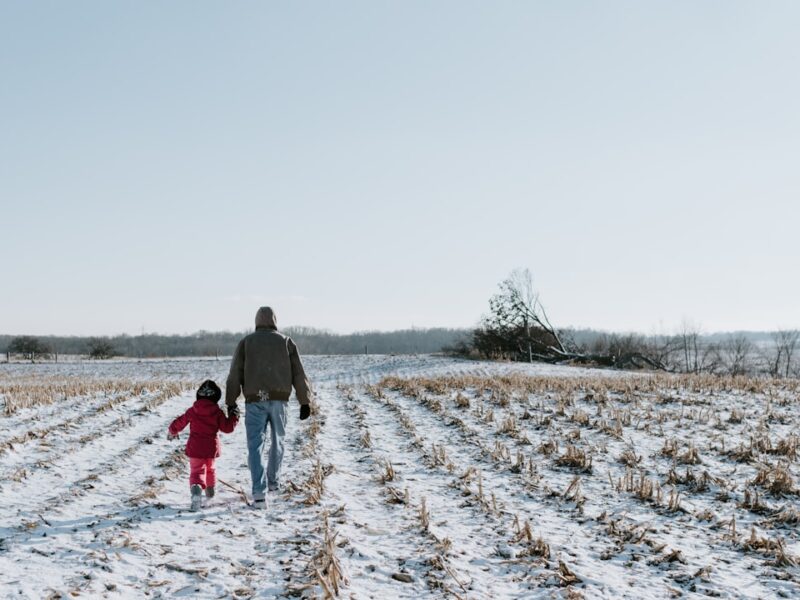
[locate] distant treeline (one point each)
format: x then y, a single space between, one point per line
210 343
587 337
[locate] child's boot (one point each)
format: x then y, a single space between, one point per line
197 498
210 491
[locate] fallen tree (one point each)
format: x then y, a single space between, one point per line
518 328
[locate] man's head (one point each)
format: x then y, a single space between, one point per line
265 318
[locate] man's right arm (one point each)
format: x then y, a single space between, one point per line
233 387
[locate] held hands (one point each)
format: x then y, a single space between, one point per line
171 436
305 411
233 411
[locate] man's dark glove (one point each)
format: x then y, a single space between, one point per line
233 411
305 411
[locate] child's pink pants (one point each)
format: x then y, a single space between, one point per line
202 472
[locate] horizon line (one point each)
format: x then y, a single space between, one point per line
323 331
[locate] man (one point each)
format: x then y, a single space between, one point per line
265 367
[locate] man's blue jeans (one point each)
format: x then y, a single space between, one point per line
259 415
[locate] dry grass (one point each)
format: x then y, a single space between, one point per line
28 392
509 426
388 473
630 458
753 502
576 459
394 496
625 533
672 556
690 457
642 487
789 515
780 557
743 453
554 414
565 575
315 483
580 417
548 447
776 480
574 492
666 386
736 416
670 448
787 447
461 401
424 515
325 566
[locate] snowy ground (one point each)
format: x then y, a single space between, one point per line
455 479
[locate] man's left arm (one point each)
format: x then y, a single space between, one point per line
299 380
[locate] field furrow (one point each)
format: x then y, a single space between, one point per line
385 540
416 477
478 539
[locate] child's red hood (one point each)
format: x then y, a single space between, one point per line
205 407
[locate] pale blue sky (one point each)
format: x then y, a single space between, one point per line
373 165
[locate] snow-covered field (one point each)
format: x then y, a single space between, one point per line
449 478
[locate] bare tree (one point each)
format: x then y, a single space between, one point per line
100 348
690 341
710 360
786 341
30 347
737 350
667 350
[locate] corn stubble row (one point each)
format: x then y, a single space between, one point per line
646 404
28 392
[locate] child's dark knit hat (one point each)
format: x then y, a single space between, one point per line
209 390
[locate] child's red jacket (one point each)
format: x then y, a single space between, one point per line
205 419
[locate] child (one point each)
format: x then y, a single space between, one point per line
205 419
